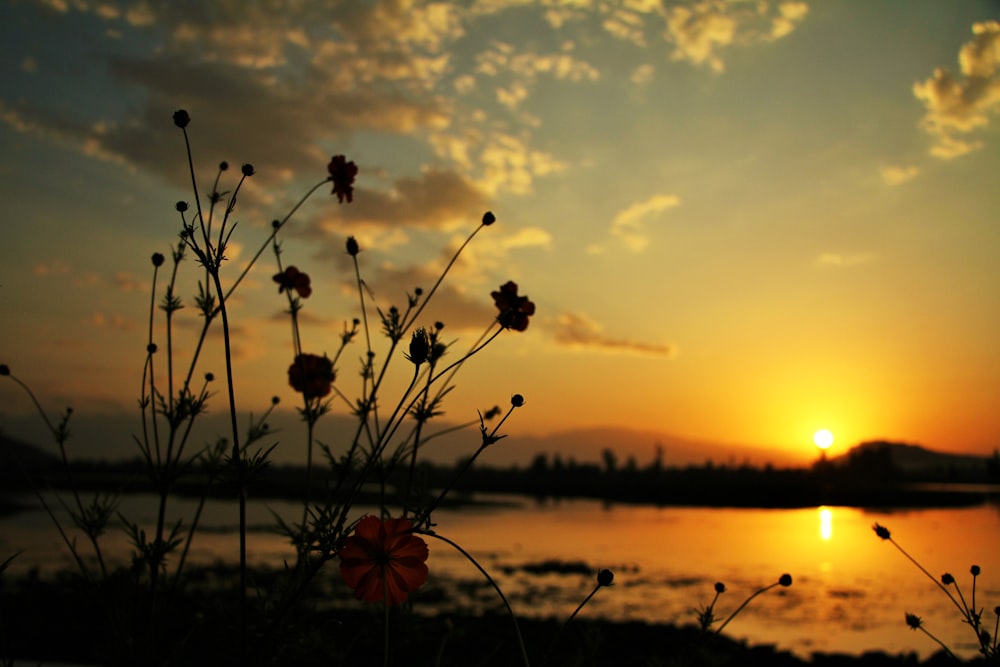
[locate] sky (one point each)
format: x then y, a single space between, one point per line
740 221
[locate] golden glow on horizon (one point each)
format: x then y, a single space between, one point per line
823 438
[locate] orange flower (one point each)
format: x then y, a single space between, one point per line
312 375
293 279
514 310
383 560
342 174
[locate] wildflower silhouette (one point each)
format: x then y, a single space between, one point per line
971 614
311 375
383 560
707 617
342 174
514 310
293 279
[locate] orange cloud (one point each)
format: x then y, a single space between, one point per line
628 224
896 175
576 330
960 105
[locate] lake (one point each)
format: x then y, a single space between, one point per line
850 589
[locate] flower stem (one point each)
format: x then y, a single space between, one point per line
468 556
745 603
929 576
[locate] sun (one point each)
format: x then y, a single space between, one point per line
823 438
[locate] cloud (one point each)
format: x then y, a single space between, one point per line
529 237
626 25
128 282
628 223
897 175
840 261
576 330
435 199
510 164
957 106
789 14
53 267
702 30
454 303
102 321
698 31
642 74
250 70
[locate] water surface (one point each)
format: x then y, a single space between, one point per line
850 589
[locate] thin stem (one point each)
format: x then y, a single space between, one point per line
451 262
929 576
513 617
270 238
237 460
967 614
585 601
444 492
570 620
488 440
385 634
745 603
940 643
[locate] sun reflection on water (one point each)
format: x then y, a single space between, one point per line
825 524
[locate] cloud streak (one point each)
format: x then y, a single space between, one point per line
576 330
628 225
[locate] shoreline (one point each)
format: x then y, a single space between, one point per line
33 613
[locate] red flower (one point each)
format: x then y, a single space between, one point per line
312 375
383 560
293 279
514 310
342 174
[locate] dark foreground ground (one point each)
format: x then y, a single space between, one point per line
70 621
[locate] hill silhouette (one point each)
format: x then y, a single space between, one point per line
914 460
109 437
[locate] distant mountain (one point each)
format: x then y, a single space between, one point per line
912 459
109 437
17 456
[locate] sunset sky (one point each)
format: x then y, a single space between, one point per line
741 221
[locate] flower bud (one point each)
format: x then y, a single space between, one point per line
785 580
974 570
489 218
913 621
947 579
181 118
720 587
151 348
4 369
157 259
881 531
517 400
209 377
605 577
352 246
420 346
248 169
223 166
